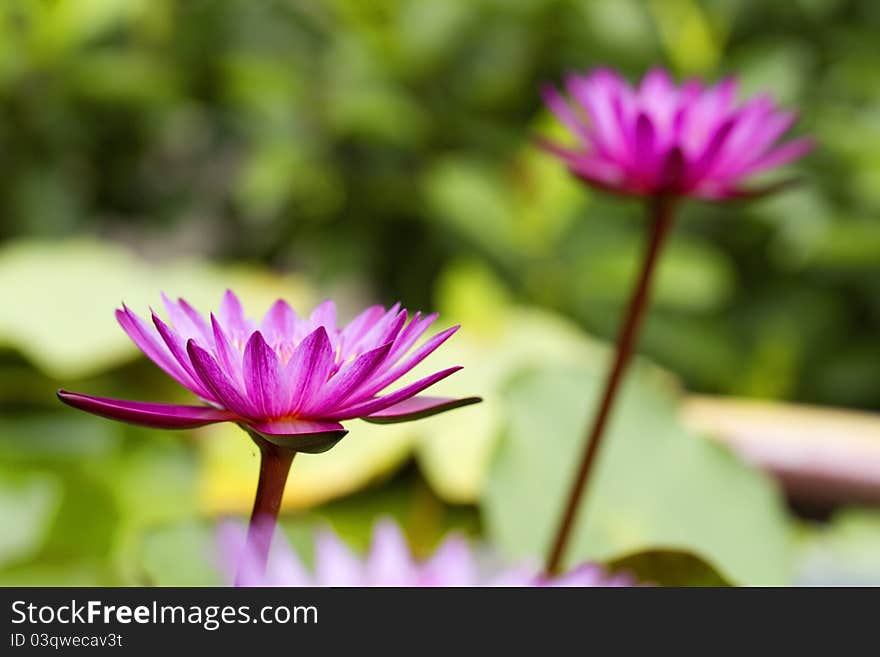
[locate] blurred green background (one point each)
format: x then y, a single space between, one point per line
381 150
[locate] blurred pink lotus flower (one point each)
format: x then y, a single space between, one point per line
290 379
663 139
388 562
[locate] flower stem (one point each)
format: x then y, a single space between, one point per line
275 465
661 211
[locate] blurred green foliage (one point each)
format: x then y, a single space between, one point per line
382 150
378 140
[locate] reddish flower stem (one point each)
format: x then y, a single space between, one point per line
661 211
275 465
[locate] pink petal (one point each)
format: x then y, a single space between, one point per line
196 318
373 406
382 331
560 107
644 164
183 322
308 368
325 315
149 342
177 349
605 134
161 416
279 322
389 562
782 155
345 383
228 355
452 565
358 327
410 335
233 319
384 379
591 168
264 378
213 377
416 408
335 565
706 159
673 175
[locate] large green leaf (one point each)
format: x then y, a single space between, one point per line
27 507
655 485
668 568
58 299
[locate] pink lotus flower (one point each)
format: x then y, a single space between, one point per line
389 562
663 139
290 379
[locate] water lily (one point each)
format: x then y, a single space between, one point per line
661 138
389 562
661 142
289 381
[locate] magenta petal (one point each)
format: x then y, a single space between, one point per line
196 318
309 436
264 378
358 327
213 377
645 140
161 416
227 354
706 159
410 335
279 323
308 368
184 322
384 330
753 191
324 315
384 379
389 560
593 169
416 408
373 406
175 346
232 317
563 111
782 155
606 135
149 342
674 172
345 383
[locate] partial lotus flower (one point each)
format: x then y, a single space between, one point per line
664 139
292 380
389 562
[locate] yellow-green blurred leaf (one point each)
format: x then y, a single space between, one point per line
655 485
58 299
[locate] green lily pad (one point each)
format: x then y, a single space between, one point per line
669 568
68 329
654 483
27 507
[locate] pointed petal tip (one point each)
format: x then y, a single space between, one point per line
549 92
417 408
257 337
159 416
192 347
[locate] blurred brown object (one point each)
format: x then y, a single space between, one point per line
820 455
